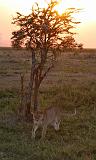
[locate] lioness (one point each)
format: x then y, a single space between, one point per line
50 116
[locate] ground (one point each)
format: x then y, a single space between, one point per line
71 84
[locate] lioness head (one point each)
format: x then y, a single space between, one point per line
56 124
37 118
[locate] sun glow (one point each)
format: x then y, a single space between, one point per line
88 7
63 5
87 16
88 11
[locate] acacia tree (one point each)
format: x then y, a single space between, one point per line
42 29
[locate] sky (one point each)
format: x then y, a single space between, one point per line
86 30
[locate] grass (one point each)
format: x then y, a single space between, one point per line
72 83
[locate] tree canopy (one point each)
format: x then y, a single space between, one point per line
43 27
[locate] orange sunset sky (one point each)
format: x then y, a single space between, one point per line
86 31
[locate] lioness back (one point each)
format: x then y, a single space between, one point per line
50 114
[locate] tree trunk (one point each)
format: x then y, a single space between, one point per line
30 87
36 90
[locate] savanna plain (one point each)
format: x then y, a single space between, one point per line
70 84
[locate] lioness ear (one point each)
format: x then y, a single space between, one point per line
42 117
33 115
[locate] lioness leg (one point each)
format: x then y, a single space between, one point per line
44 131
34 129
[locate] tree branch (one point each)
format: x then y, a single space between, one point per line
44 75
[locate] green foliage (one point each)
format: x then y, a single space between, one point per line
74 140
8 100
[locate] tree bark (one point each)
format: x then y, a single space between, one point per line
30 87
36 90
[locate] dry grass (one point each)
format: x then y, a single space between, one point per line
69 68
